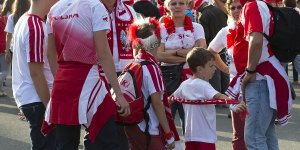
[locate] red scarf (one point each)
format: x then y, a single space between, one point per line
170 25
230 37
124 46
240 50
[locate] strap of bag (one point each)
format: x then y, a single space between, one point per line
147 119
146 115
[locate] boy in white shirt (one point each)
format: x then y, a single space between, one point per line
200 121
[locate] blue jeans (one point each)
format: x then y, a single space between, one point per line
34 113
260 123
3 70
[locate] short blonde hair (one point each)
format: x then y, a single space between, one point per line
167 2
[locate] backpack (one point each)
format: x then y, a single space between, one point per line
130 81
285 41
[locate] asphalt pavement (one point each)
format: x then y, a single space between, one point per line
14 132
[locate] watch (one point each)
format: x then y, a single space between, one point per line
250 71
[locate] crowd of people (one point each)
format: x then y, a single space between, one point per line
66 57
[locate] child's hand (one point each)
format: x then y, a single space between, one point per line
240 107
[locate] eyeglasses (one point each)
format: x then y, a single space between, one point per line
237 7
177 3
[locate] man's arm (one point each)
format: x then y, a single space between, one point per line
39 81
107 63
51 54
254 54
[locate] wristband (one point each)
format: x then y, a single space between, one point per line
170 141
250 71
169 135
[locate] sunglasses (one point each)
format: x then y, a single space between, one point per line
237 7
177 3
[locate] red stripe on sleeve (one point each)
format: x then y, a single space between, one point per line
31 39
153 78
253 20
159 77
41 40
36 37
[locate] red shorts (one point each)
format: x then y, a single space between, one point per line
138 141
199 146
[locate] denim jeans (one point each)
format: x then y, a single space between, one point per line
260 122
3 70
296 63
34 114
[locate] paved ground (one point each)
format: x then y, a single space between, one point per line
14 133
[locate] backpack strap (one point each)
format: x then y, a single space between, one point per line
147 119
146 115
271 9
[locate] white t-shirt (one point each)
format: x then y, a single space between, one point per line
30 45
9 28
200 120
150 86
181 39
78 18
219 43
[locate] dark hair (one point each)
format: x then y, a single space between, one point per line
7 7
19 8
290 3
147 9
144 31
198 57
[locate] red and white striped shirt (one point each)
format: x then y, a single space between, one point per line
152 83
29 46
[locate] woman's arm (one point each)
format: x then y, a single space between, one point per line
7 48
219 62
199 43
107 63
170 56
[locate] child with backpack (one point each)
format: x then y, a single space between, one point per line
200 121
145 36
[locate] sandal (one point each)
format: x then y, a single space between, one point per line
3 94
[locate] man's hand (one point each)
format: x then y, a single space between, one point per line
123 106
249 77
8 57
240 107
21 116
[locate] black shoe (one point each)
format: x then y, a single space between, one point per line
293 93
229 115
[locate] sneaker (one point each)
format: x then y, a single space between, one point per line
3 94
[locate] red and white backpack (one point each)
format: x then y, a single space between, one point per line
130 81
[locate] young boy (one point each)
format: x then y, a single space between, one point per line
200 129
145 36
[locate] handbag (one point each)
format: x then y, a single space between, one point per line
172 76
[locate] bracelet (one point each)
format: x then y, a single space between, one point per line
169 135
250 71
